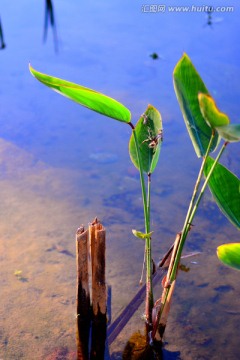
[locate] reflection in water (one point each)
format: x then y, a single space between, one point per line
209 16
49 18
210 20
2 43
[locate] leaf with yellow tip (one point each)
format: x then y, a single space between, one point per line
229 254
210 112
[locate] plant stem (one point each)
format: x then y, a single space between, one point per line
149 304
146 208
206 181
148 202
193 211
197 183
187 223
193 206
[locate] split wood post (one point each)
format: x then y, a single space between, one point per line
99 298
91 291
83 294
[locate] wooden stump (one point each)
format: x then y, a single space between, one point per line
91 310
99 298
83 294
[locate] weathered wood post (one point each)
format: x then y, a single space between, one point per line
99 296
83 294
91 306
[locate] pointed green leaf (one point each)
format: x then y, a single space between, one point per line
210 112
225 188
230 133
149 134
86 97
188 84
229 254
141 235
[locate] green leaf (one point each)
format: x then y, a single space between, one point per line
188 84
225 188
141 235
149 134
229 254
210 112
230 133
86 97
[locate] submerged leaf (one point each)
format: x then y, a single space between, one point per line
229 254
188 84
210 112
85 96
225 188
149 134
230 133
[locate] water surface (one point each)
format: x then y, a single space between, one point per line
62 165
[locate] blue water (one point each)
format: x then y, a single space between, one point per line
61 165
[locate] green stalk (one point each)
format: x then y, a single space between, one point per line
193 209
146 208
206 181
149 255
193 206
197 185
187 223
148 201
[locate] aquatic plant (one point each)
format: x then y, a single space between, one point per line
229 254
206 126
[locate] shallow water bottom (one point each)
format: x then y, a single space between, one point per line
41 208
